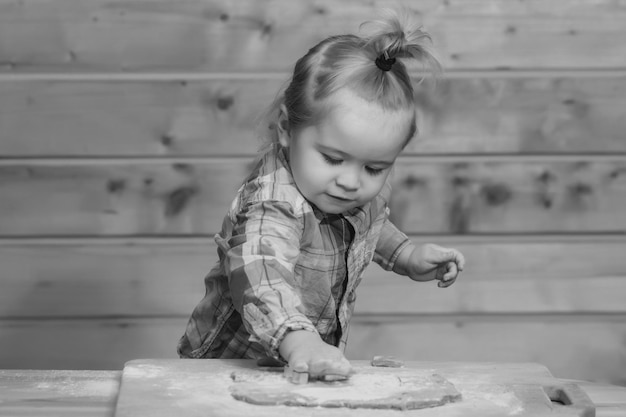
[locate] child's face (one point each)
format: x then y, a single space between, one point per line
343 161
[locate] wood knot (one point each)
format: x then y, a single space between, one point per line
412 181
546 177
186 169
177 200
224 103
266 29
496 194
458 181
167 140
581 189
545 200
116 186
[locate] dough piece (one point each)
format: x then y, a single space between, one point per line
295 377
387 361
365 389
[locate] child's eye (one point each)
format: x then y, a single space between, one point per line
374 171
332 161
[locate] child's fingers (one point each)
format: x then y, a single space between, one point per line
460 260
449 255
300 366
446 284
450 276
335 368
452 271
456 257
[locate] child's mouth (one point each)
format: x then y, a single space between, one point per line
341 199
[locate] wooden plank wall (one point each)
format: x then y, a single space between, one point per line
126 126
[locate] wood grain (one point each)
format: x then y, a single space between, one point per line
124 278
219 35
126 127
577 346
509 196
58 393
571 346
131 118
478 114
194 387
118 199
96 305
28 388
430 196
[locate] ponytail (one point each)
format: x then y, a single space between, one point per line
398 36
371 65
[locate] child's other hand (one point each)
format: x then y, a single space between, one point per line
430 261
305 351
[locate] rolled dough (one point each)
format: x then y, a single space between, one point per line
367 388
387 361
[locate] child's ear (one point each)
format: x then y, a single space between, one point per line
283 126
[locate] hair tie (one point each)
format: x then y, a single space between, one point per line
384 62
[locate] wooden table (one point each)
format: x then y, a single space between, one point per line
53 393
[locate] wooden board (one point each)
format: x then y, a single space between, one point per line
100 302
30 393
430 196
474 114
199 387
164 277
573 346
254 35
107 130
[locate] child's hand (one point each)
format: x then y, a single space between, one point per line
429 262
305 351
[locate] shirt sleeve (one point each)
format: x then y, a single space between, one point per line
389 246
263 250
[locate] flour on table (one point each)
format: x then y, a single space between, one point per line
143 371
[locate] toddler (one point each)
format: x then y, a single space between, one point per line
313 213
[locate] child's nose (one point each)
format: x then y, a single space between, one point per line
349 180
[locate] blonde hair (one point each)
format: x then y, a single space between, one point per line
349 61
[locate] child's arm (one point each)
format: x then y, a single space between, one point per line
397 253
260 261
428 262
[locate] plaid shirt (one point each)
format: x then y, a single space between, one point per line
284 265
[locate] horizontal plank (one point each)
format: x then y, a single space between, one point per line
175 118
509 197
137 118
141 279
253 35
576 347
86 344
118 199
97 77
449 196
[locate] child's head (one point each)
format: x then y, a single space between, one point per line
349 111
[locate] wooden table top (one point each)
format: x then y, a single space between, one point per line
67 393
